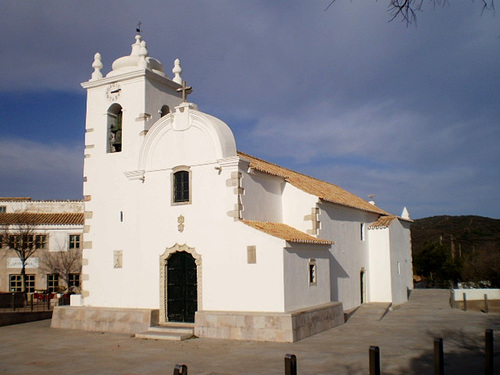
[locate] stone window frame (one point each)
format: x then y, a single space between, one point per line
312 272
163 277
181 168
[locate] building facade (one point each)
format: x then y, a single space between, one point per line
180 223
52 232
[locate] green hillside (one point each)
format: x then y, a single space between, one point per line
456 248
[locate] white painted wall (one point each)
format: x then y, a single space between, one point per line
299 293
262 198
401 262
349 254
296 205
379 269
476 294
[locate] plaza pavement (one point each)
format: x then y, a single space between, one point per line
405 336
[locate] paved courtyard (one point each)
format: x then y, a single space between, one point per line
405 337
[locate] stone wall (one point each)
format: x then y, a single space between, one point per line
268 326
104 319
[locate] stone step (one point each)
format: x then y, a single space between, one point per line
173 332
369 312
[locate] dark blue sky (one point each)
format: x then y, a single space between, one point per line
410 114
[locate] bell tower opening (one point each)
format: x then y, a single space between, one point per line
115 120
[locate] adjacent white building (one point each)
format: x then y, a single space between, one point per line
180 226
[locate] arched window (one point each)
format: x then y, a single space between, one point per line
165 110
114 134
181 185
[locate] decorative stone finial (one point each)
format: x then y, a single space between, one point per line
405 214
143 53
177 70
97 65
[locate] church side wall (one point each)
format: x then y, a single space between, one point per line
380 270
349 253
300 291
401 262
297 208
262 196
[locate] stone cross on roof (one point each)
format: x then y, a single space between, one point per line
186 90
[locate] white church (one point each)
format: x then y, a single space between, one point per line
182 227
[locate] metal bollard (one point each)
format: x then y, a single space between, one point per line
489 352
180 370
290 364
465 302
13 301
374 360
438 357
486 305
31 301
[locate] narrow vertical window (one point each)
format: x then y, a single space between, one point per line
362 231
181 187
115 120
74 241
312 272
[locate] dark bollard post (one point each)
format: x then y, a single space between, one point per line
13 304
180 370
488 352
486 305
438 357
31 302
290 364
48 301
465 302
374 360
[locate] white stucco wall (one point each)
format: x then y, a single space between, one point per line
296 205
349 254
299 292
262 198
379 269
401 262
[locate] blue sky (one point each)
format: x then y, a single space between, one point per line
409 114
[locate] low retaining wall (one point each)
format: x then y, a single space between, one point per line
475 294
267 326
8 318
104 319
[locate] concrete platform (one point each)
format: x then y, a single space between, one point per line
405 336
171 332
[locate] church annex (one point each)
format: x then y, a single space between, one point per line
182 227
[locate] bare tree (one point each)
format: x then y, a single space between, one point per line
407 10
19 234
63 263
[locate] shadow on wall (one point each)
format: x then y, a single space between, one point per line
336 273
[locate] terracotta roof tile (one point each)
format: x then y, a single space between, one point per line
42 219
285 232
323 190
14 199
382 222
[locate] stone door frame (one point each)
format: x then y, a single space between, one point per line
163 277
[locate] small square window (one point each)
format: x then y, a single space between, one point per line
74 241
53 283
3 209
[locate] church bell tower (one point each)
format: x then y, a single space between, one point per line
121 108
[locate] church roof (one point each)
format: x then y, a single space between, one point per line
382 222
285 232
325 191
41 218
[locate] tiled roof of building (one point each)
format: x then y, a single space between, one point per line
382 222
323 190
286 232
14 199
41 219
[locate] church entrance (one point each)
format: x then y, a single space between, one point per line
182 287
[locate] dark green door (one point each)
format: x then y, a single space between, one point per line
182 291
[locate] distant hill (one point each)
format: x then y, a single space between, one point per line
473 239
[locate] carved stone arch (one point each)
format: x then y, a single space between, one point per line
163 277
